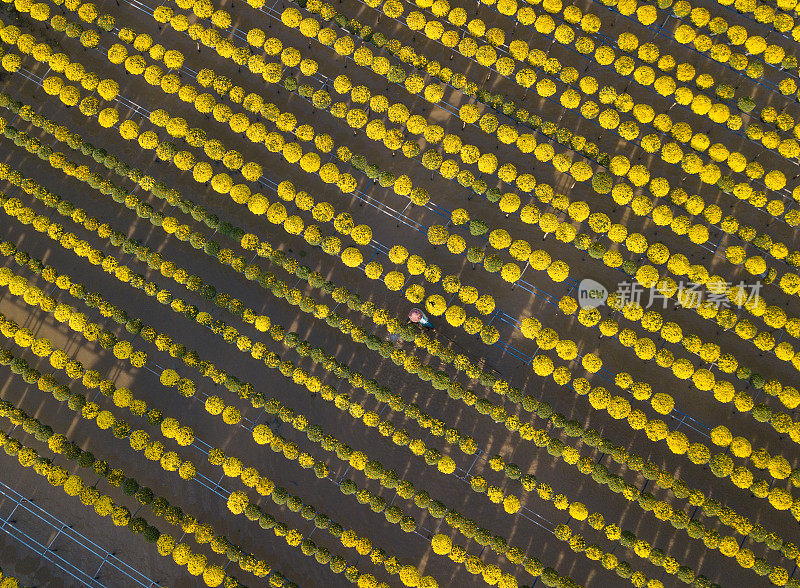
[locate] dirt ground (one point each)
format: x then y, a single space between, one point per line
530 530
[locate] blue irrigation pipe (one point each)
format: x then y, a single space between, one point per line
67 531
